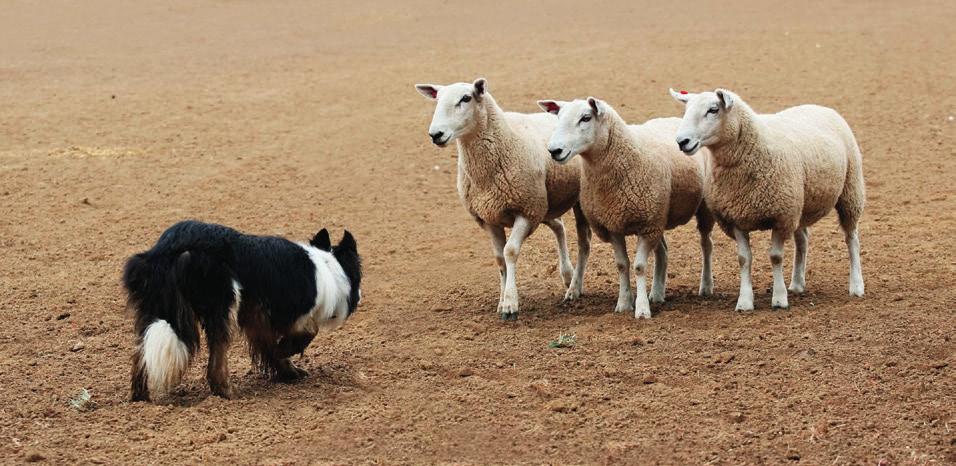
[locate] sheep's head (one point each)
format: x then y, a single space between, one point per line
456 109
580 124
704 118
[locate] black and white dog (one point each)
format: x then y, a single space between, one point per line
200 276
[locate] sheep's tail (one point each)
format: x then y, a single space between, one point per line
166 326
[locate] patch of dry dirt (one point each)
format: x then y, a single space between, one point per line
119 119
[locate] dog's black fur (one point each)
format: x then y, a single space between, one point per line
186 279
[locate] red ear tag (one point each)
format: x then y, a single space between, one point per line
683 92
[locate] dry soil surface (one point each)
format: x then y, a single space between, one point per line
120 118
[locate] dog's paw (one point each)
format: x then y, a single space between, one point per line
223 391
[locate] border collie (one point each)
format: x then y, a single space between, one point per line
204 276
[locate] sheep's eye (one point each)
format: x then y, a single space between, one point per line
585 118
465 99
712 111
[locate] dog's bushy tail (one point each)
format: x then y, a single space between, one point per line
166 324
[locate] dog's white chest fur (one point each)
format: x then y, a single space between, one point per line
332 292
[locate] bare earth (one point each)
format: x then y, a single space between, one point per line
118 119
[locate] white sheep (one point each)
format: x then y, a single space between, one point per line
781 172
633 182
507 179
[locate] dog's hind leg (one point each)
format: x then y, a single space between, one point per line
218 325
217 372
138 388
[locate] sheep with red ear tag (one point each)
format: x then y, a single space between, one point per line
634 182
506 179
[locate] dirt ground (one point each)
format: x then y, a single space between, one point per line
120 118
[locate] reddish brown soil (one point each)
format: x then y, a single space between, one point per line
282 117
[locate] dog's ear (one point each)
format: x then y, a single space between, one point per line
348 242
322 241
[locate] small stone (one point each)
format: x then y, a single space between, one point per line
78 346
737 417
33 457
466 372
649 379
562 405
793 456
725 357
63 316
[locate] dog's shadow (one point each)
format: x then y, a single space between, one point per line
324 380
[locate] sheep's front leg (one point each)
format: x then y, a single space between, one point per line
564 260
659 287
745 300
798 279
509 301
497 235
777 240
642 308
625 300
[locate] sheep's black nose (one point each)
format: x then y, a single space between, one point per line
683 142
436 136
555 152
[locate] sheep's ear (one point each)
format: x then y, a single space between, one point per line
480 87
596 106
428 90
682 96
322 241
550 106
726 98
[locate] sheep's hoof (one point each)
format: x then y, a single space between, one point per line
781 306
656 299
509 316
856 290
642 314
571 295
745 306
798 289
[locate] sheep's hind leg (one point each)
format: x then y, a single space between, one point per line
497 235
856 272
576 289
777 240
659 285
705 224
509 301
745 299
564 260
625 299
642 308
801 241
